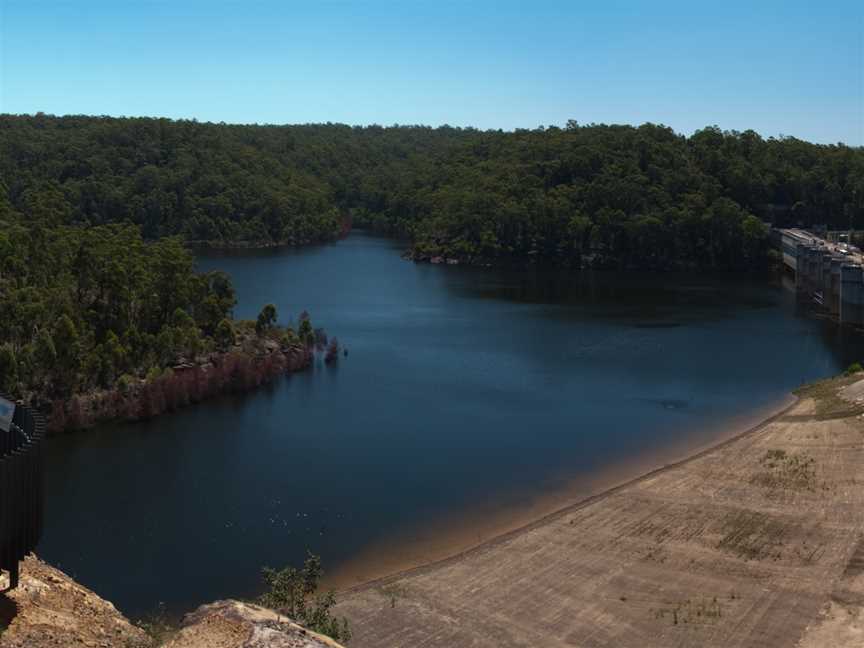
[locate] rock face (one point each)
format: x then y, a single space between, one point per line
49 609
231 624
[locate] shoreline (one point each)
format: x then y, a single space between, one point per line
239 245
752 541
453 537
177 387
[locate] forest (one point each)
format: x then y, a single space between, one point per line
614 196
89 308
97 215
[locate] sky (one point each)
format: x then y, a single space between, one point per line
781 68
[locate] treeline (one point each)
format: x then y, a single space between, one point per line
631 197
204 182
621 196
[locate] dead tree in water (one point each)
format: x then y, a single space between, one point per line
332 351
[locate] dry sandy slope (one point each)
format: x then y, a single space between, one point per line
50 610
738 546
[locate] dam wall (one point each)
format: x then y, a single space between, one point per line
828 275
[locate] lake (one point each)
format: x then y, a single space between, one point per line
465 391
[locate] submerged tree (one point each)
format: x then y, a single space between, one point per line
320 339
332 351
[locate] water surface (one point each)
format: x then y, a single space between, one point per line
462 386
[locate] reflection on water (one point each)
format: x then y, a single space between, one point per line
462 386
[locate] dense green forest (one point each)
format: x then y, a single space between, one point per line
619 196
95 281
82 306
204 182
98 307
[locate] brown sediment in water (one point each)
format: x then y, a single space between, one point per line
506 513
757 540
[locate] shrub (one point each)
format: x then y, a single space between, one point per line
293 593
124 382
266 319
854 368
289 338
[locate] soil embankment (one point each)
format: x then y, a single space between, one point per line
757 542
239 370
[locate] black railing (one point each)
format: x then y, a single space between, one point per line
21 489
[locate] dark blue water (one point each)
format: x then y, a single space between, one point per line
461 385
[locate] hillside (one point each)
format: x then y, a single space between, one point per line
620 196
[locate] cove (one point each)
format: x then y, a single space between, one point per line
462 387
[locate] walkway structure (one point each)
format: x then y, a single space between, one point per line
21 489
831 274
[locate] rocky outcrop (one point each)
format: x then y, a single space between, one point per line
231 624
50 610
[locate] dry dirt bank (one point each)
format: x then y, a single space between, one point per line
757 542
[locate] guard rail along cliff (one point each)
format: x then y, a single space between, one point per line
22 432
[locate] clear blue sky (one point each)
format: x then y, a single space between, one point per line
790 67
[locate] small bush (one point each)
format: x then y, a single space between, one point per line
854 368
157 625
124 383
293 592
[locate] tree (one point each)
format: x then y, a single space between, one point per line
8 369
294 593
68 347
224 336
114 358
45 354
305 330
266 319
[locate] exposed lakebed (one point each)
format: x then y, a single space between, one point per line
462 386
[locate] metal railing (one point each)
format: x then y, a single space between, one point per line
21 489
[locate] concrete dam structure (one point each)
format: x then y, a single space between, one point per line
829 274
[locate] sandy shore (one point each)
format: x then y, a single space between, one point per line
483 521
754 542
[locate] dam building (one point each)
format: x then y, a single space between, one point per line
830 274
